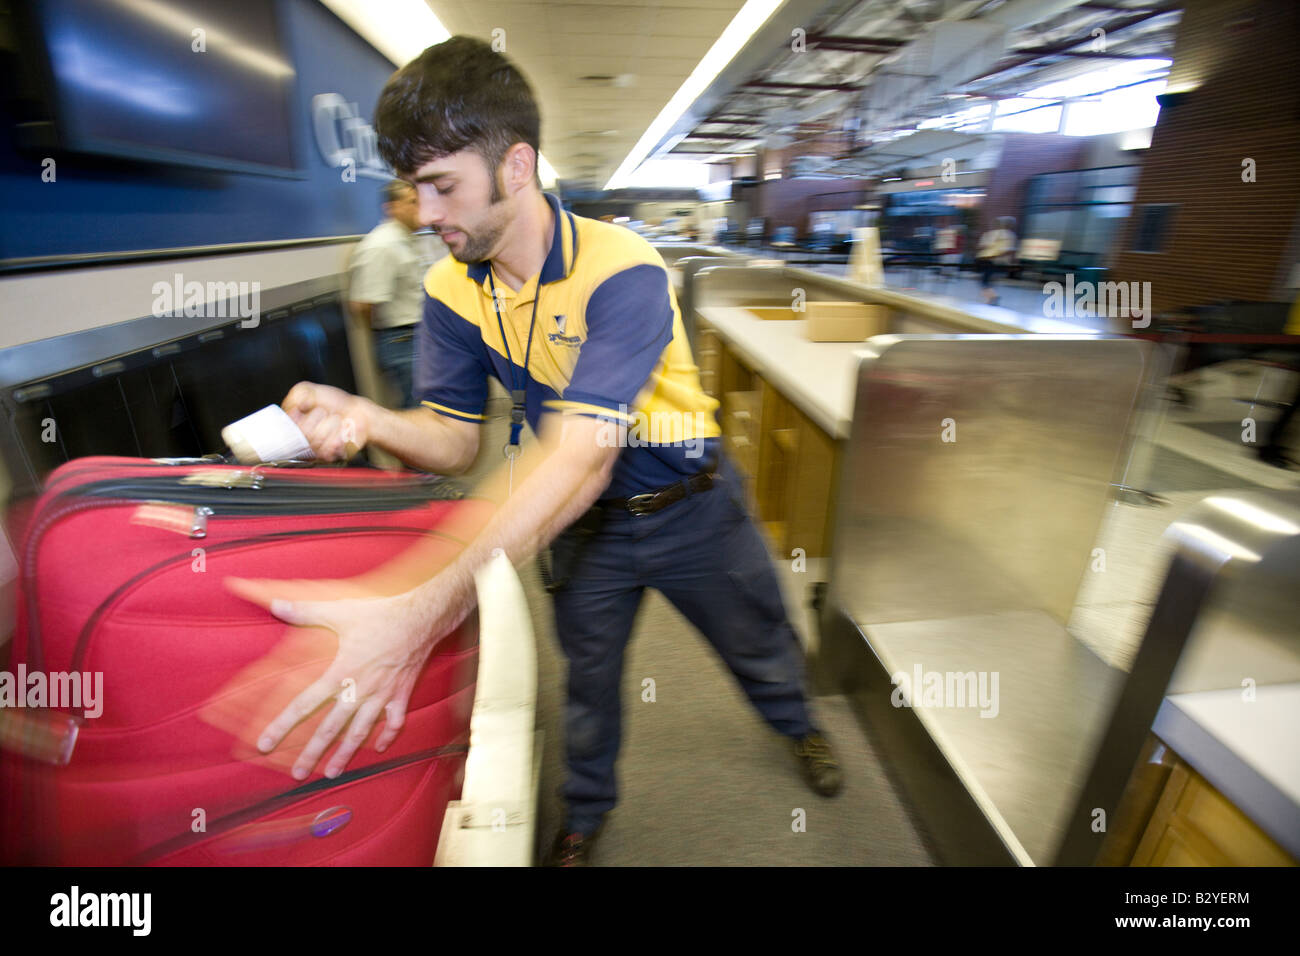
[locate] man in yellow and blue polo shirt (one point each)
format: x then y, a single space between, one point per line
577 319
607 342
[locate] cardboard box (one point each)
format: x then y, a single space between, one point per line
780 312
845 321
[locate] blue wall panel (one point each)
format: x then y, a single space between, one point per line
110 206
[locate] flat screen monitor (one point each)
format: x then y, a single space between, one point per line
191 82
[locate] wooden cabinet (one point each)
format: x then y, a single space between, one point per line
1172 816
788 464
708 354
1195 825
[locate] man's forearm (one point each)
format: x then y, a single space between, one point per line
420 438
549 499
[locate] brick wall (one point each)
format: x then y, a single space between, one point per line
1025 155
787 202
1228 239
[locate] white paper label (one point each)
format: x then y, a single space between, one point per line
266 435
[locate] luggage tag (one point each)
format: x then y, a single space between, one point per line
268 434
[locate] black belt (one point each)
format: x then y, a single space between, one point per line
661 498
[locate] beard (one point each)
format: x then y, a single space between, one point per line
479 246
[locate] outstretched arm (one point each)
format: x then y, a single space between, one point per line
384 641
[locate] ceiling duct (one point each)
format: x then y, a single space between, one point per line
925 149
812 167
947 54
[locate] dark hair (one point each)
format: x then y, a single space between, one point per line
395 190
458 94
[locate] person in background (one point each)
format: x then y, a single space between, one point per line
947 248
387 290
996 250
1276 449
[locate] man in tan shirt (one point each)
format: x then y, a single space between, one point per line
387 290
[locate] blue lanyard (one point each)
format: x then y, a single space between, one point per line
517 393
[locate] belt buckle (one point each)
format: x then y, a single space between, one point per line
640 504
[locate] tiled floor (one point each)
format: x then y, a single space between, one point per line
1017 300
1198 452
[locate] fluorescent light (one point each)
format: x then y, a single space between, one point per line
733 39
401 30
668 174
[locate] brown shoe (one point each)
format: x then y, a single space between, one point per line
570 849
818 764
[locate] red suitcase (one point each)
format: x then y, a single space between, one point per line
122 563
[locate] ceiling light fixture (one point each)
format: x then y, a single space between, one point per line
743 25
401 30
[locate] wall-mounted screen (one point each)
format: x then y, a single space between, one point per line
195 82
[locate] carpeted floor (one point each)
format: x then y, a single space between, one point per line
703 781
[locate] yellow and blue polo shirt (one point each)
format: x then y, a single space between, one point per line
608 343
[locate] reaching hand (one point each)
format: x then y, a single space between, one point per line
383 644
335 423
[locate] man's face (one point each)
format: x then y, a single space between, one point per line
458 198
406 210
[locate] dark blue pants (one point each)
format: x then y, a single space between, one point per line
705 555
394 353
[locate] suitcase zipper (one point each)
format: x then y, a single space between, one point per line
233 821
36 652
87 630
246 493
148 463
269 496
153 464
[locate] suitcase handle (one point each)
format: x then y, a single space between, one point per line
45 735
226 460
282 463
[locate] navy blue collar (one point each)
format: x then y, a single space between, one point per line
559 261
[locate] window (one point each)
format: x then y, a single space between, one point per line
1153 226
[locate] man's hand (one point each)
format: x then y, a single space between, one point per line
336 424
383 644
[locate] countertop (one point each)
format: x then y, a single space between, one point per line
1246 750
820 378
